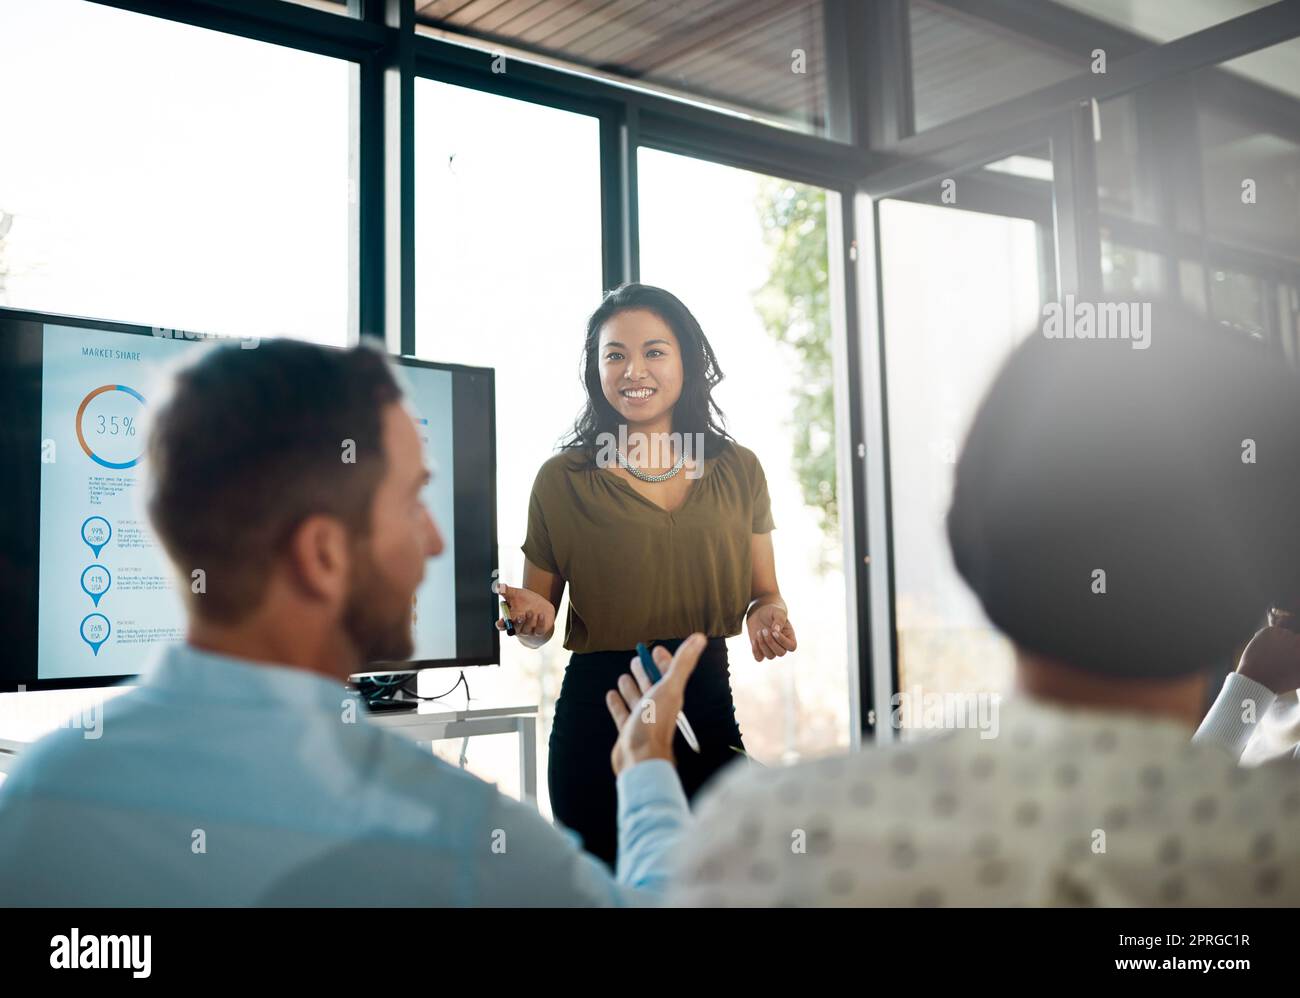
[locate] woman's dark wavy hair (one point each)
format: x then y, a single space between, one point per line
695 411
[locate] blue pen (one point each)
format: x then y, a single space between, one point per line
652 671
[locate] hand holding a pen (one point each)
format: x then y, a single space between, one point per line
646 712
531 616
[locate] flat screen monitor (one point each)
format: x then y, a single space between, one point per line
87 594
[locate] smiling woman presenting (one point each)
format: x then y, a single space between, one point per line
660 524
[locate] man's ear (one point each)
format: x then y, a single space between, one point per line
319 558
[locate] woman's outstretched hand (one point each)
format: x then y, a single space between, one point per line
533 615
771 634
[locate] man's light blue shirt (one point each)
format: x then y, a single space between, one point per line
219 781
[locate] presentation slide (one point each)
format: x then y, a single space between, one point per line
107 593
107 597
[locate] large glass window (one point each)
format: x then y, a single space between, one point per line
168 175
1236 152
158 173
961 64
1128 273
1200 177
966 57
962 284
748 255
508 267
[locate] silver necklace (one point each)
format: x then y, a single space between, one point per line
638 473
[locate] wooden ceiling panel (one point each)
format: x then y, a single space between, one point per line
734 51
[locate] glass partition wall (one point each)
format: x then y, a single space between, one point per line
966 263
749 255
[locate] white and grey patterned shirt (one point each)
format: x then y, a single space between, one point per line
1065 807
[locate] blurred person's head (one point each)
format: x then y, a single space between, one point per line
285 486
1127 515
647 365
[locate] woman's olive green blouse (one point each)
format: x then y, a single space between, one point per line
637 572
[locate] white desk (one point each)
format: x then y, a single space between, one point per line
429 725
434 722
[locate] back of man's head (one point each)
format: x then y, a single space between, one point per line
248 443
1131 512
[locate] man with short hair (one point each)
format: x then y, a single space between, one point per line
236 773
1124 518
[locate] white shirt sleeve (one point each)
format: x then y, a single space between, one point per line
1235 714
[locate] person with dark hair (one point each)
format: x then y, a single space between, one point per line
1123 515
285 483
659 523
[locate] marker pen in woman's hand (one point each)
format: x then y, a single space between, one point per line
505 608
653 674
